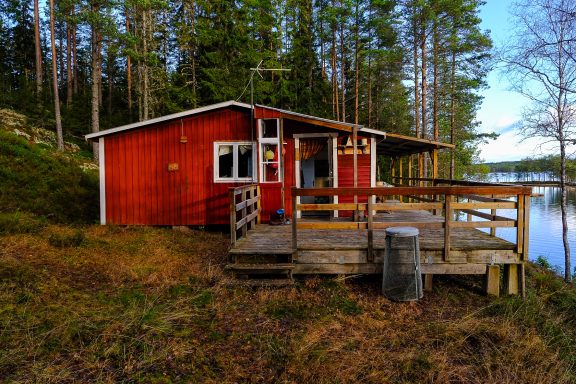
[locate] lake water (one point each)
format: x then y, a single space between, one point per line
545 221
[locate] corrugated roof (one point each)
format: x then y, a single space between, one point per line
399 145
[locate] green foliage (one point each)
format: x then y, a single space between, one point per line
45 184
20 222
67 239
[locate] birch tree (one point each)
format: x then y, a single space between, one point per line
542 67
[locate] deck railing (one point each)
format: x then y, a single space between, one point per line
444 201
244 210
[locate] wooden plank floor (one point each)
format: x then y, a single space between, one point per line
278 239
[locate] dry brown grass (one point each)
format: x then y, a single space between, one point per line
153 306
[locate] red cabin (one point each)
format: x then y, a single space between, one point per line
177 169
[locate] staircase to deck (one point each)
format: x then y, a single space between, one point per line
262 267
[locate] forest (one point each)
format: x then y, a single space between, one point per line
546 164
412 67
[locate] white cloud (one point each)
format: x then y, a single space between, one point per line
510 147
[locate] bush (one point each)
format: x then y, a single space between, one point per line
47 184
66 239
20 222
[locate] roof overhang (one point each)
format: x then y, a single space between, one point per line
396 145
314 120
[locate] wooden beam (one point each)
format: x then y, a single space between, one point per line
512 279
232 197
406 206
482 205
520 230
294 228
447 226
370 231
331 207
492 281
484 215
434 156
428 282
332 225
511 223
416 224
452 190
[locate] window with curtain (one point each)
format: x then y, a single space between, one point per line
269 138
234 161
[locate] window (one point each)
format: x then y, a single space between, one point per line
233 162
269 139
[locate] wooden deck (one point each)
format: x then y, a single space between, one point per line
344 251
448 245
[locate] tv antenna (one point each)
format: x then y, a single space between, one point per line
259 70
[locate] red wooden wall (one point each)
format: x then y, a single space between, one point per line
346 177
141 190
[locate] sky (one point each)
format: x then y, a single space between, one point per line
501 108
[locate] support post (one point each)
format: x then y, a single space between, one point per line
244 228
492 282
355 157
258 204
232 195
294 225
447 226
370 255
512 279
428 282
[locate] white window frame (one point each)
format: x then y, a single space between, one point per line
235 145
263 141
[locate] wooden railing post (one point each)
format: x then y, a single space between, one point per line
447 225
232 195
370 255
258 204
294 224
520 225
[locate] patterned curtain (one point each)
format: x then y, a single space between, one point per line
311 147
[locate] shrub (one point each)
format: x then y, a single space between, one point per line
20 222
47 184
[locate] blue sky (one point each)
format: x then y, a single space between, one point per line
501 108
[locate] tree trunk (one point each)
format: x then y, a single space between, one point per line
453 115
59 136
68 63
74 57
424 164
95 101
342 71
38 51
335 101
128 69
564 210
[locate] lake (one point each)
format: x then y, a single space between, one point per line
545 221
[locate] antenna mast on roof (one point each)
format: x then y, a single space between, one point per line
259 70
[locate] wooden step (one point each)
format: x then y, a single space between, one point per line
260 266
262 282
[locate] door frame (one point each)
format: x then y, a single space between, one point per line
332 138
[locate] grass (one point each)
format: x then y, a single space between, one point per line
151 305
83 303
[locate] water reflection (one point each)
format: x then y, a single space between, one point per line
545 223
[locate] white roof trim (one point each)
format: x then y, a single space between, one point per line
165 118
373 131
